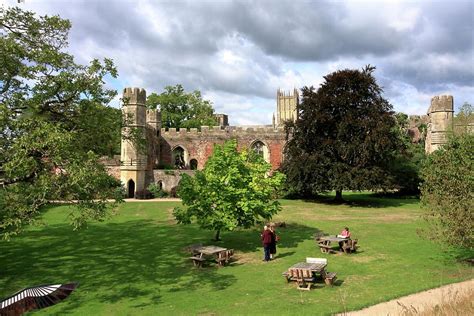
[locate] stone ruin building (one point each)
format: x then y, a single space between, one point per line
171 152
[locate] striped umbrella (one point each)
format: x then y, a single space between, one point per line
35 298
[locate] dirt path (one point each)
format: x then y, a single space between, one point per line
423 302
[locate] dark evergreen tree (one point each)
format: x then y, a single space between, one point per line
344 138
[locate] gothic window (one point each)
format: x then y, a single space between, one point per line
193 164
257 147
179 158
261 149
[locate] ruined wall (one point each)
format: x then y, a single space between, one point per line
440 124
198 145
169 179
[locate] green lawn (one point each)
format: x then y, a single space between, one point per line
134 263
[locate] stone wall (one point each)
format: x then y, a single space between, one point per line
198 145
168 179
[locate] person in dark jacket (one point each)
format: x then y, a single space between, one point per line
266 241
273 245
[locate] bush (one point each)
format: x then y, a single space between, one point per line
447 193
157 191
173 192
143 195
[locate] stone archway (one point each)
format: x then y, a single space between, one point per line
131 188
261 149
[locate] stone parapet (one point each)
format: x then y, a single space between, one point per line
134 96
218 130
441 103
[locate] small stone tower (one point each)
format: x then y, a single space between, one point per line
287 107
440 124
133 159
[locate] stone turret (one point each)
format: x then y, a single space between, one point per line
440 115
287 107
133 160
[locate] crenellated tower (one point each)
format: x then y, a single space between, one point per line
440 115
133 157
287 107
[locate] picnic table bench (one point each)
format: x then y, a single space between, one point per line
325 244
305 274
202 253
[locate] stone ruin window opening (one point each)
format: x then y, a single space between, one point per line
261 149
193 164
179 158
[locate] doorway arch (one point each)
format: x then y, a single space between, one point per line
131 188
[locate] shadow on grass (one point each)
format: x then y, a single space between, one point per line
364 200
126 261
133 261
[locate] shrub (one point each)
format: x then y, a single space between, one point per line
157 191
143 195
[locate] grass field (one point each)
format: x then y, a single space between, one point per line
134 263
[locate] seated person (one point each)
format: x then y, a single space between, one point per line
344 234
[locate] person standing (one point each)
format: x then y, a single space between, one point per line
266 241
274 241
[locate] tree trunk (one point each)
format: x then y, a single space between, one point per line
338 197
218 232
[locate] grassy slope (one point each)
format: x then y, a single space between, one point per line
134 262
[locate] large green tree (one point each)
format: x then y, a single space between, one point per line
464 119
53 123
406 163
181 109
233 190
447 192
344 137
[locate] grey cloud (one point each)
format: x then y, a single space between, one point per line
436 53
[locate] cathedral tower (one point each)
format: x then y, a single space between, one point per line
287 107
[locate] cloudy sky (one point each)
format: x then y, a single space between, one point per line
238 53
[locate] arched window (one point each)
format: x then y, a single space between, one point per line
179 158
193 164
261 149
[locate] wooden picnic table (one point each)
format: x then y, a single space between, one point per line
304 273
208 250
325 242
220 254
314 267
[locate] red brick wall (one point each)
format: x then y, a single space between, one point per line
199 145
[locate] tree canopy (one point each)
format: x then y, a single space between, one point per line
464 119
180 109
233 190
344 137
53 123
447 192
